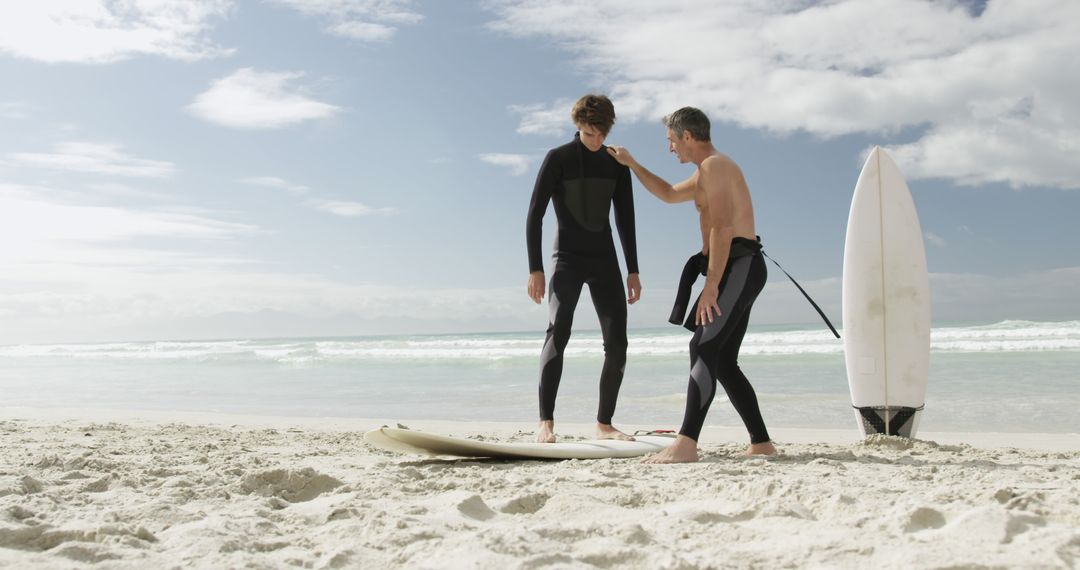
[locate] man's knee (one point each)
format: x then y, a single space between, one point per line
559 332
728 371
615 346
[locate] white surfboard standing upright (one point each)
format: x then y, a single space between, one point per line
886 302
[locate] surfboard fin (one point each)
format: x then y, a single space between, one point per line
898 417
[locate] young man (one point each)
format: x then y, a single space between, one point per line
584 182
735 273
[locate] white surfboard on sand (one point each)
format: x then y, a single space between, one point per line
886 302
425 443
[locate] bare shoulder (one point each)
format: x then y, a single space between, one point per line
719 164
720 171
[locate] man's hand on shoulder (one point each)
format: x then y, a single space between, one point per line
536 286
621 155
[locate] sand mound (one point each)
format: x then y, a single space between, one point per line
293 486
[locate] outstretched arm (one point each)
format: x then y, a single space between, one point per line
681 192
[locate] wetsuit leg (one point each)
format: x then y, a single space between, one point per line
563 294
739 391
714 352
609 299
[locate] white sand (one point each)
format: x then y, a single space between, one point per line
172 491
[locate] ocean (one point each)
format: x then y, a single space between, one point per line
1012 376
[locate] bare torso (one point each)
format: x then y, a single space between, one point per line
742 215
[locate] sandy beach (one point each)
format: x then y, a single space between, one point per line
82 488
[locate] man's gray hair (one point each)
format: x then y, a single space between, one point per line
689 119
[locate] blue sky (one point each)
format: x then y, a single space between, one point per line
218 168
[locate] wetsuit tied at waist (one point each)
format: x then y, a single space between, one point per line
698 264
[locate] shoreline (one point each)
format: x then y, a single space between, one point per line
711 435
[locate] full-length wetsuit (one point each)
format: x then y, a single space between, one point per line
714 350
583 185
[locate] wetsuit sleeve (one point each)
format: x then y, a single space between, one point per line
624 219
546 180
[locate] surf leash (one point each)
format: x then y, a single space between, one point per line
664 432
805 294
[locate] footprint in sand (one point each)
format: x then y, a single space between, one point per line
525 505
993 524
924 518
29 485
98 486
19 513
475 508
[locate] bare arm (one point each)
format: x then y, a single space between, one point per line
681 192
714 181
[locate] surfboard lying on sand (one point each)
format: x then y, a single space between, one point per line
886 302
425 443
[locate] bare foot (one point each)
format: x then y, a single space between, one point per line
546 432
607 431
766 448
683 450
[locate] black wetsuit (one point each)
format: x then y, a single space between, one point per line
714 350
583 185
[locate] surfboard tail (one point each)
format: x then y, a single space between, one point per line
889 420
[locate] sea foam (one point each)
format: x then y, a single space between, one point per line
1005 336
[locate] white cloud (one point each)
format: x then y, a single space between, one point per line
363 20
103 31
35 219
517 163
56 247
15 110
249 99
349 209
278 183
1010 151
95 158
113 189
343 208
935 239
976 97
540 119
69 271
363 31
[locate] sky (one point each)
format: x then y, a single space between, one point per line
240 168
